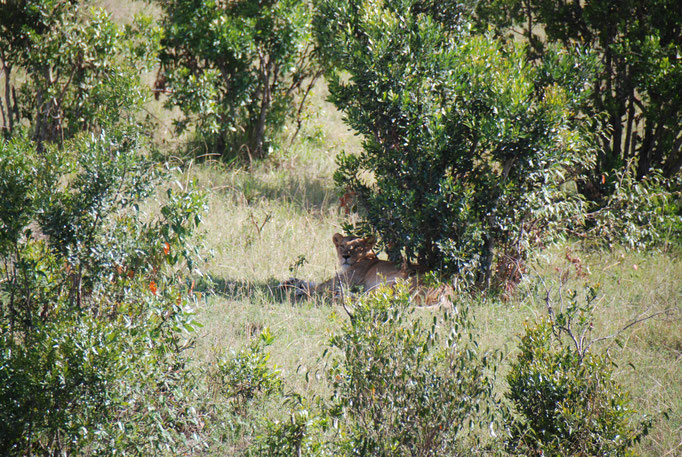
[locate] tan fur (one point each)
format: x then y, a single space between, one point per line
359 266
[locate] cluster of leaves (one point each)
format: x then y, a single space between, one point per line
403 386
68 68
638 213
563 394
303 433
633 107
466 145
638 84
234 68
245 375
92 314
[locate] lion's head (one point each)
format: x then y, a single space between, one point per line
352 250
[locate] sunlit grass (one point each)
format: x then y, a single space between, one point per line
261 222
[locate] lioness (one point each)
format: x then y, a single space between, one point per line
359 267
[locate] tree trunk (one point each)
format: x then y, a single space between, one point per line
644 152
40 121
628 131
5 127
8 122
674 163
259 133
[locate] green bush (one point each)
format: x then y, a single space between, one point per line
467 147
404 386
563 395
245 375
638 213
638 83
93 316
301 434
235 68
70 69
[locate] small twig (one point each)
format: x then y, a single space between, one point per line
548 303
349 312
634 322
569 332
258 226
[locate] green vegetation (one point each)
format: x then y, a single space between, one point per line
92 312
140 312
636 98
466 146
406 387
69 68
235 69
565 397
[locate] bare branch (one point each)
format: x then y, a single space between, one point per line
633 322
348 311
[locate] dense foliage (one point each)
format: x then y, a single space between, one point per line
466 145
475 150
236 68
245 375
92 314
563 394
404 387
68 68
638 84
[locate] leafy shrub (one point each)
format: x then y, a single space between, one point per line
234 69
467 146
245 375
563 394
402 386
638 84
639 214
80 71
303 434
92 312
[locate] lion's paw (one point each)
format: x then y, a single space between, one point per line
299 286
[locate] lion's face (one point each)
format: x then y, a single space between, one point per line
351 250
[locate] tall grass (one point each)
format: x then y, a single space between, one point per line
267 224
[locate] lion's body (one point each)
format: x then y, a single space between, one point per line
360 269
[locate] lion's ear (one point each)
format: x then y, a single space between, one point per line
370 241
337 239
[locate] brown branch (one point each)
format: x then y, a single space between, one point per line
299 121
258 226
634 322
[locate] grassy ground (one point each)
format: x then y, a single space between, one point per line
264 226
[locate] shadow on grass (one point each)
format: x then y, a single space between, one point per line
303 191
254 291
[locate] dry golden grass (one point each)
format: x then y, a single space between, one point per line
262 222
